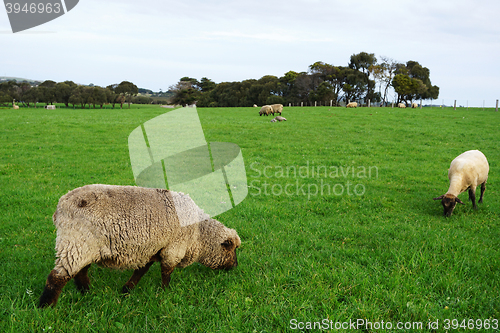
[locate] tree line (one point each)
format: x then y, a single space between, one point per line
68 92
323 82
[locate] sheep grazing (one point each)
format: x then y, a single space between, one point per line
278 118
277 108
266 110
352 105
255 105
467 171
414 105
128 227
402 105
16 107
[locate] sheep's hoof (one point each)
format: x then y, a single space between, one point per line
126 289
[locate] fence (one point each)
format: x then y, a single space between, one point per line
461 103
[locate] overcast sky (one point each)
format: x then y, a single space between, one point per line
154 43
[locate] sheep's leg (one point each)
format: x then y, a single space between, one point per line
166 270
136 277
82 280
53 288
483 188
472 197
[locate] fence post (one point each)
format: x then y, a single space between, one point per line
420 103
455 105
301 104
331 102
368 103
496 109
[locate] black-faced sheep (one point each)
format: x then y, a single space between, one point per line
128 227
352 105
467 171
277 108
266 110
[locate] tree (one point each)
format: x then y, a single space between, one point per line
412 81
127 89
99 96
363 62
86 95
47 92
63 92
24 87
355 84
416 71
384 73
287 84
32 96
5 98
111 95
76 97
185 91
206 85
10 90
142 100
333 75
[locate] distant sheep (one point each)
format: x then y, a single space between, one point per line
16 107
255 105
266 110
402 105
277 108
352 105
467 171
278 118
414 105
128 227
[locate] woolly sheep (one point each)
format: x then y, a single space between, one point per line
16 107
278 118
277 108
352 105
266 110
402 105
255 105
128 227
467 171
414 105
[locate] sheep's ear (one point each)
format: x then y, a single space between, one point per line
459 201
439 198
228 243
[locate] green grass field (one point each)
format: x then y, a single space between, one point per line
339 225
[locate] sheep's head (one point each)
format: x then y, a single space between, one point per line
449 201
220 244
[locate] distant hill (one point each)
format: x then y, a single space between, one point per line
18 79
